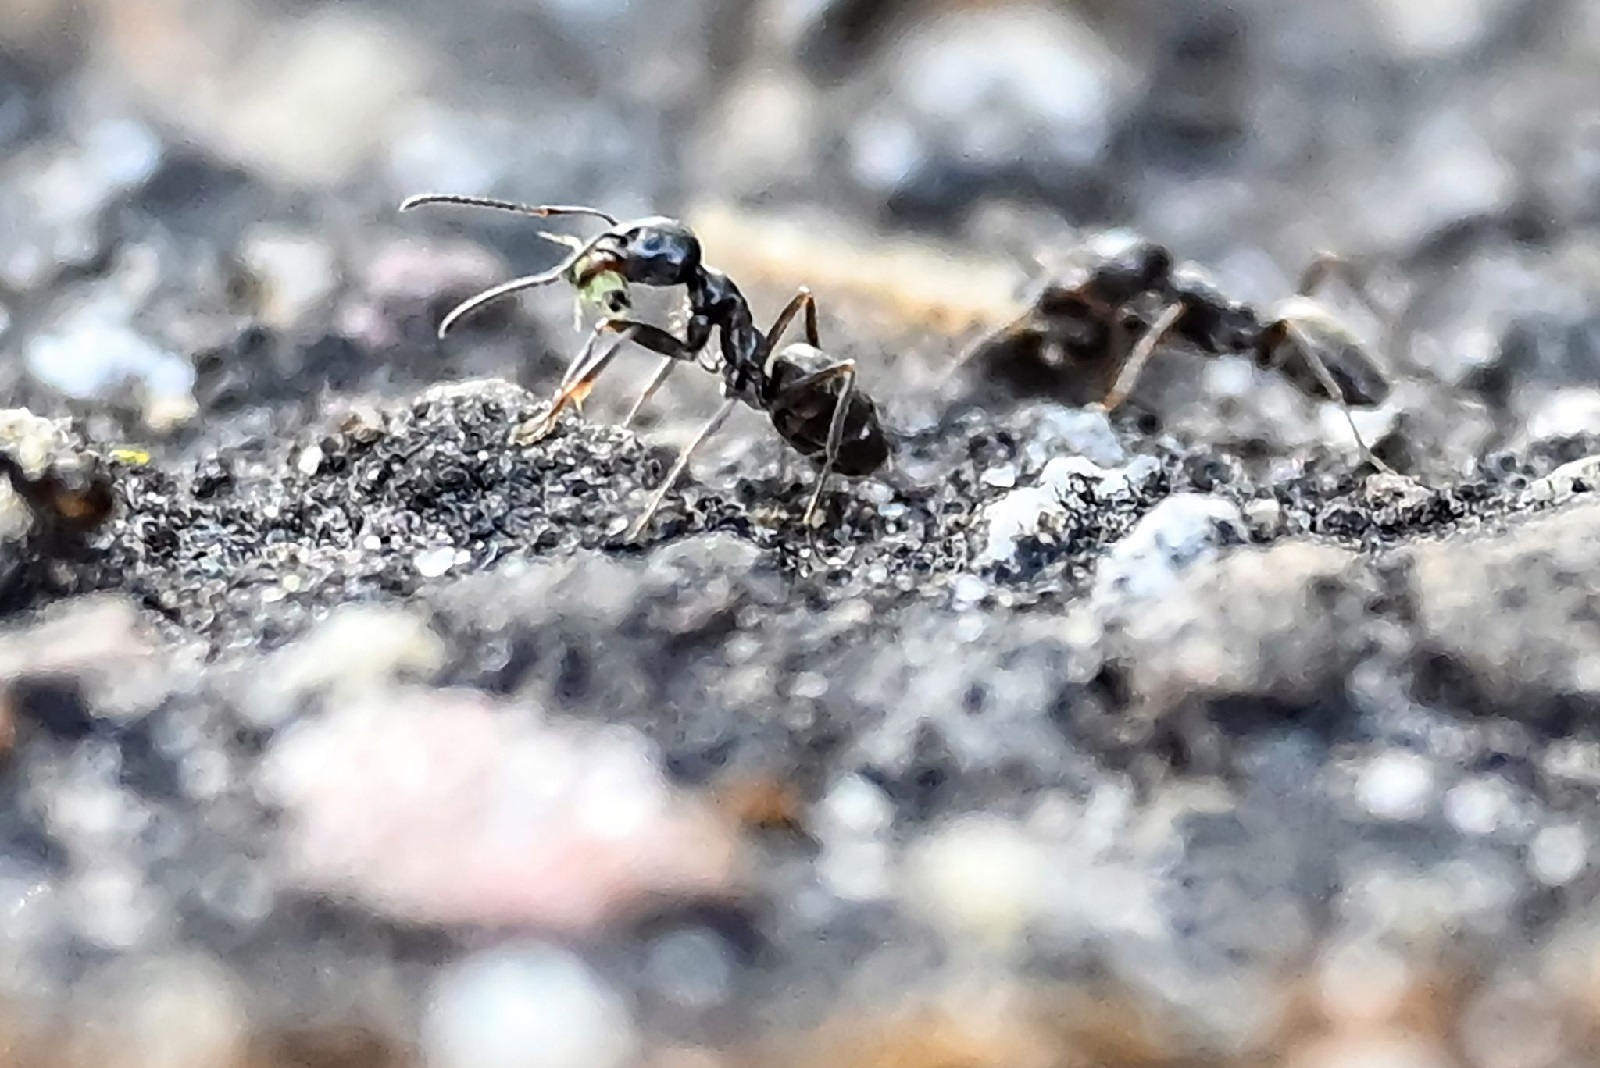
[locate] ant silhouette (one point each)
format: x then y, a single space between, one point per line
1081 316
811 398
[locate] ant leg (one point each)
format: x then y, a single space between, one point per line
680 465
1324 376
575 384
983 341
676 350
845 369
1129 375
663 369
575 366
1326 265
801 300
581 373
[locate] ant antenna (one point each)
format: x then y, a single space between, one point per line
532 281
579 248
540 210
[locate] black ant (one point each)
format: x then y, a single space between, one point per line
1080 319
812 398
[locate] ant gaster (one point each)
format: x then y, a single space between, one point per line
811 398
1081 317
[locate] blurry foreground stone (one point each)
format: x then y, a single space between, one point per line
443 809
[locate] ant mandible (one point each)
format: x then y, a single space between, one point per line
1087 307
812 399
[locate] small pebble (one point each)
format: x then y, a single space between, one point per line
1569 480
1177 533
309 461
356 649
1557 855
526 1007
435 562
1032 510
1396 786
982 877
165 1013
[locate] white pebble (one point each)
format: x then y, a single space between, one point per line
310 461
431 563
981 877
526 1007
1396 786
1176 534
1000 477
1558 855
1478 806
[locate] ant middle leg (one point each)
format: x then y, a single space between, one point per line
680 465
675 351
1128 377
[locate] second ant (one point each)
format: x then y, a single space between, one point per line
1078 330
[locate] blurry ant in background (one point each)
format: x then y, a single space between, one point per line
1078 325
68 502
812 398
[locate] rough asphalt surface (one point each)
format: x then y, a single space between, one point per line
359 735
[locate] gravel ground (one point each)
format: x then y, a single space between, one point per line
358 734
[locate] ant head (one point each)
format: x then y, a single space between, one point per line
651 252
1124 265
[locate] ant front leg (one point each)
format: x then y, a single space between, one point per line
675 350
580 376
1128 377
578 381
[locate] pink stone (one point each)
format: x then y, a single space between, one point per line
444 808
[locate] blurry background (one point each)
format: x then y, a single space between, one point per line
175 171
199 253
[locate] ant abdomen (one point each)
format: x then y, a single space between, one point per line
1301 327
804 392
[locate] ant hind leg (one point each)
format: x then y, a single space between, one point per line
801 300
845 370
